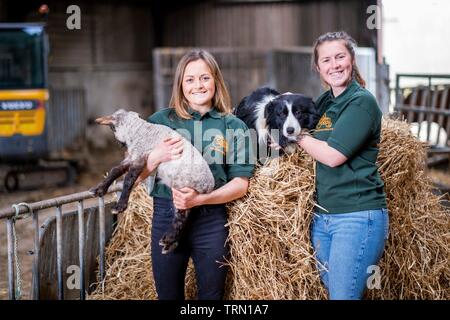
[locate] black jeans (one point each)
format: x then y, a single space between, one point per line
204 238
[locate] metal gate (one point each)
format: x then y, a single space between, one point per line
428 106
66 244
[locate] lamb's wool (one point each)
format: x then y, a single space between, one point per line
141 137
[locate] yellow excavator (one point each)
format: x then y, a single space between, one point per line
27 133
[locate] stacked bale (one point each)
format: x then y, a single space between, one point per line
416 263
271 255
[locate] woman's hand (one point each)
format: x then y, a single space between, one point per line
168 149
186 198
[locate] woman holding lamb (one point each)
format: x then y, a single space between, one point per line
200 110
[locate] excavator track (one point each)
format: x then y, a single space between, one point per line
33 176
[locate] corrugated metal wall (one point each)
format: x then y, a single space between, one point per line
108 35
66 119
111 55
265 25
70 48
245 69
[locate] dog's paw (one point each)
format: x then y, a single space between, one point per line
118 208
290 148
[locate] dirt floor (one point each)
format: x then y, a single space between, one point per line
100 162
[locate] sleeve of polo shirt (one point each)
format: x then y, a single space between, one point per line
351 130
239 160
155 118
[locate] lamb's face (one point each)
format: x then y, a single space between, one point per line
119 122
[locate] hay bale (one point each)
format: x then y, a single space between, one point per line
271 254
417 257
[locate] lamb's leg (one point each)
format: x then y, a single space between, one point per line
169 240
133 173
116 172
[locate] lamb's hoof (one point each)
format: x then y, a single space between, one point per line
96 191
169 247
118 208
168 244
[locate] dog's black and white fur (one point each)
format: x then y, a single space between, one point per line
266 109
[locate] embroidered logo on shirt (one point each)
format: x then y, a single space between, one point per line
324 124
219 144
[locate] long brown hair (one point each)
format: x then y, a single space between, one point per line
349 43
221 100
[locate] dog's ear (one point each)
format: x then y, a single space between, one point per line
314 115
313 120
312 106
269 109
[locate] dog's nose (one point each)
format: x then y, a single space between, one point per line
290 130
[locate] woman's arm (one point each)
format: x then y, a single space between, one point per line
186 198
321 151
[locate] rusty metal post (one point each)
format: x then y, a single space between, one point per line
59 253
102 236
9 231
81 237
36 268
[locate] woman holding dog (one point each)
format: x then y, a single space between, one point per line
349 230
200 111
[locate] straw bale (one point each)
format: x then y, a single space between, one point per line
271 255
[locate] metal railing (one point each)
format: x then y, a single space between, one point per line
21 210
425 103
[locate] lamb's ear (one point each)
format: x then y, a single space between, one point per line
120 111
134 114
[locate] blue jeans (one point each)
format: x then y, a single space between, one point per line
203 239
346 245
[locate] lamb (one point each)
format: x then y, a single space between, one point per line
140 138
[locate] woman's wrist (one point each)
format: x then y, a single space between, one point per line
201 199
153 161
301 138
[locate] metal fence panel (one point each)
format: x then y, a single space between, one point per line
427 108
66 249
72 272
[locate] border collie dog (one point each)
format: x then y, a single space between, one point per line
265 110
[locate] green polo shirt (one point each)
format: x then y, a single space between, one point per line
223 140
351 124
